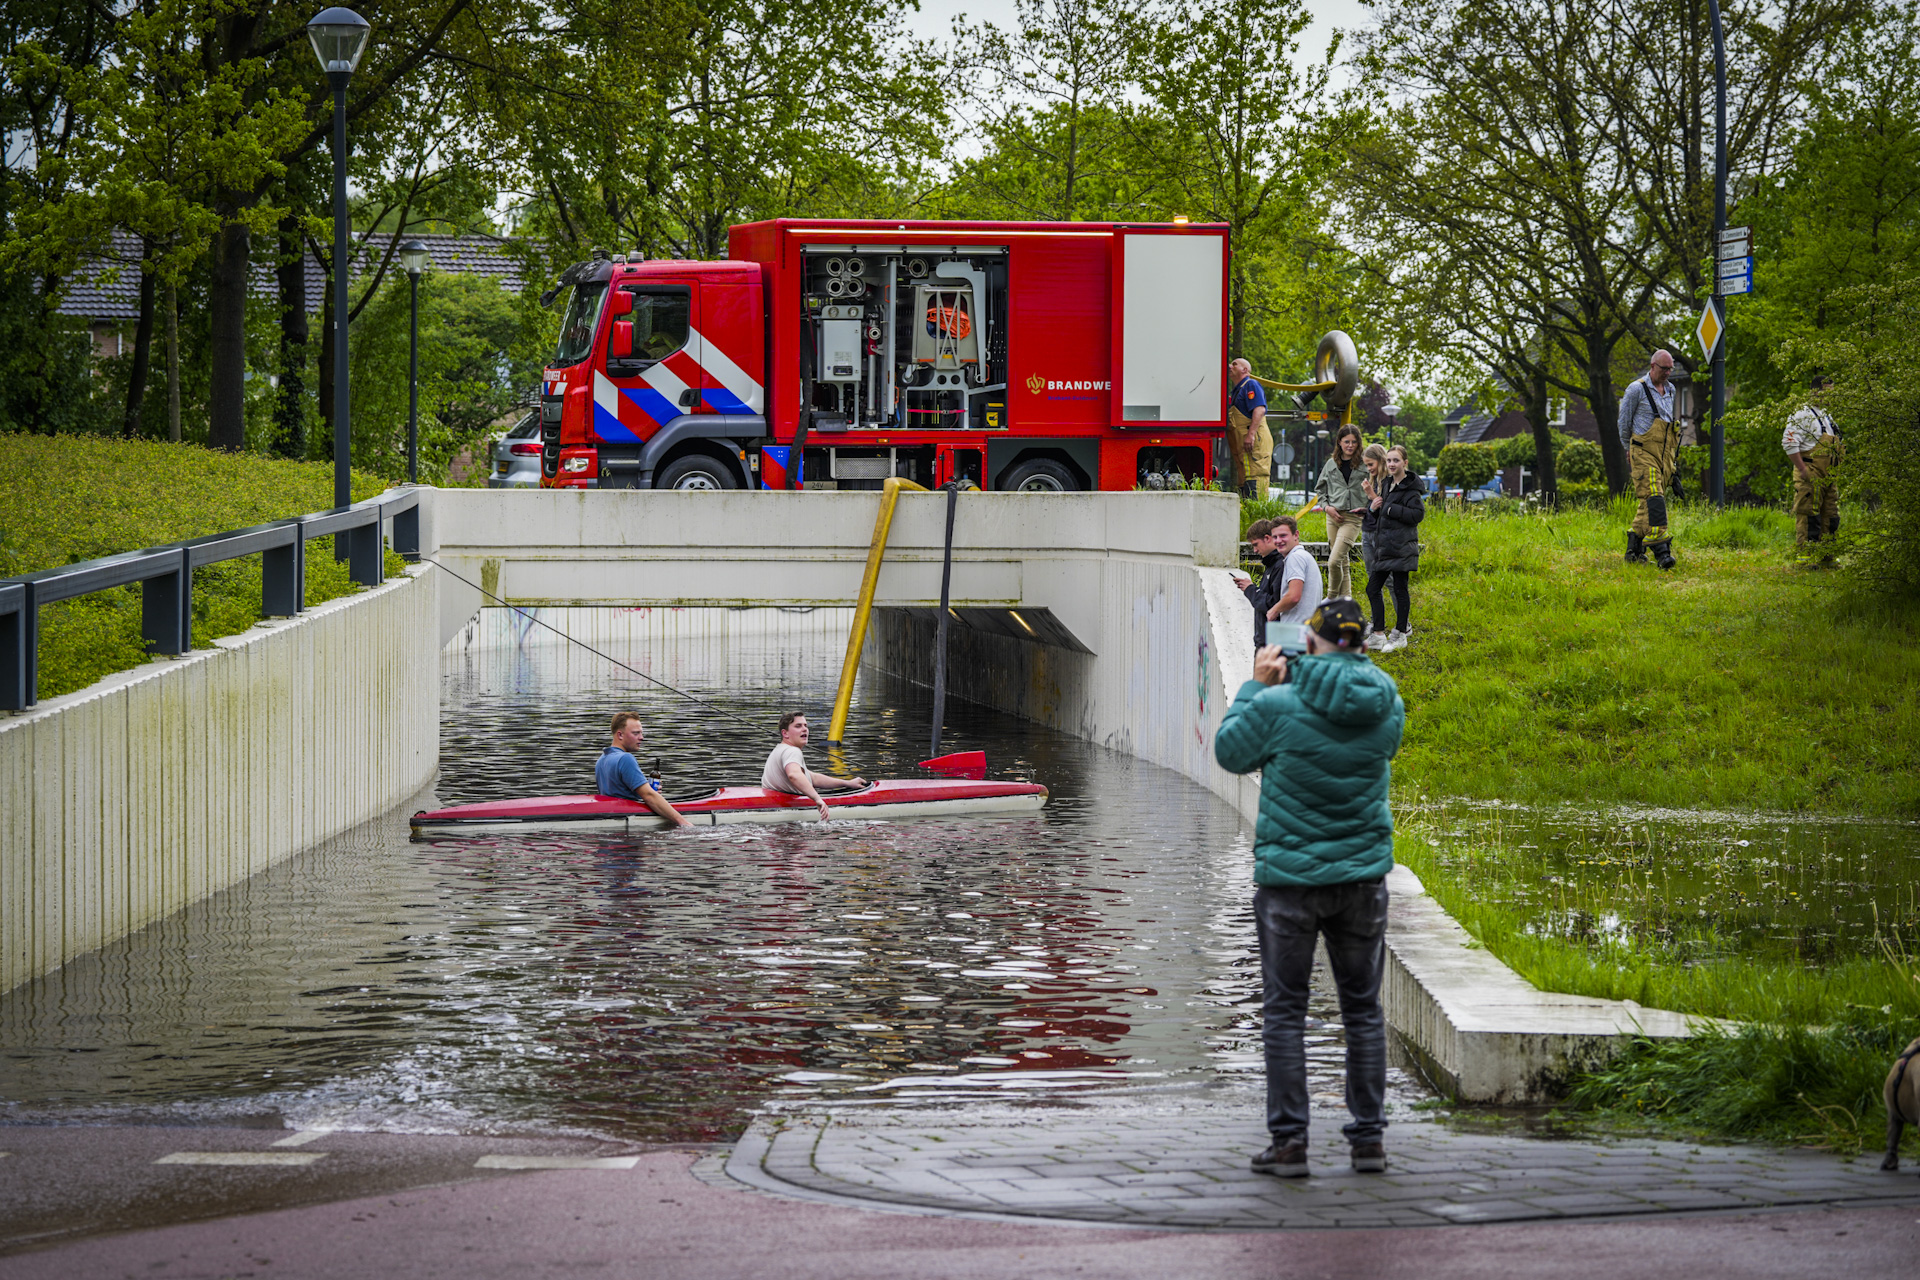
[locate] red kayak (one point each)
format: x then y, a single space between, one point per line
886 799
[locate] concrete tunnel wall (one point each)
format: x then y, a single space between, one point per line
156 787
1174 645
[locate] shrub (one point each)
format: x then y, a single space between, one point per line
69 498
1515 451
1579 461
1467 466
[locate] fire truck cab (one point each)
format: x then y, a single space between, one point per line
834 354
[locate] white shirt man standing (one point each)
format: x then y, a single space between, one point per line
1301 589
1292 567
787 767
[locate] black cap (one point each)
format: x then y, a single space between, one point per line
1339 622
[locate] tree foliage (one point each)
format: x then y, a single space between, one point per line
1541 176
1871 348
1467 466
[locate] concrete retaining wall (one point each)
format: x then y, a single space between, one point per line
1170 655
126 801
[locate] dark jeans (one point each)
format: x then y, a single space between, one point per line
1401 603
1353 920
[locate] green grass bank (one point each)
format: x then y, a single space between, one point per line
1544 669
65 499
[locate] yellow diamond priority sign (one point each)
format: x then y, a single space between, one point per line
1711 327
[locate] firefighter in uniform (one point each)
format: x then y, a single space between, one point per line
1247 432
1652 440
1812 443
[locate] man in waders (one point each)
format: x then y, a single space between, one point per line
1812 443
1652 440
1247 432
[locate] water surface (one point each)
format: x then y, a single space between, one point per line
661 986
1693 886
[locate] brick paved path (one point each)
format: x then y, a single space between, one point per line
1182 1162
1177 1156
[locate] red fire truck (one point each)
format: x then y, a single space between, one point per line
1043 356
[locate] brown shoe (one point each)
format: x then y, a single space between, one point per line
1369 1157
1283 1160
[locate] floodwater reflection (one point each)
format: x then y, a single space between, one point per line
658 987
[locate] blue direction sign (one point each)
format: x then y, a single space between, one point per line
1736 276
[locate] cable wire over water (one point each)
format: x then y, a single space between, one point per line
589 648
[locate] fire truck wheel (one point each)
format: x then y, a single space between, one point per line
696 471
1040 475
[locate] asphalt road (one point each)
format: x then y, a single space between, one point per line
87 1202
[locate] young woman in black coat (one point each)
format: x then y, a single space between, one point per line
1393 539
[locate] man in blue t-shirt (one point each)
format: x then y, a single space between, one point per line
1247 432
618 774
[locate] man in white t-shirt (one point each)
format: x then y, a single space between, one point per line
1300 586
787 767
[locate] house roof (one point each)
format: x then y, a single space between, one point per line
1472 428
107 288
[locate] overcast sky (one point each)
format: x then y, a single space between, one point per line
935 20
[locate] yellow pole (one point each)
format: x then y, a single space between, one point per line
890 494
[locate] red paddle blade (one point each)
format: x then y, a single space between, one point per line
961 764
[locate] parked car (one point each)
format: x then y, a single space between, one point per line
516 455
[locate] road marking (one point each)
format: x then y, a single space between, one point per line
302 1138
242 1157
556 1162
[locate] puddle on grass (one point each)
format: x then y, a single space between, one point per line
661 987
1691 886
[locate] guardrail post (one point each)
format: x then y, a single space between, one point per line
166 608
17 646
283 576
406 531
365 553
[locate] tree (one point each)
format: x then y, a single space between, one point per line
738 110
44 356
1226 135
1648 86
1503 243
1045 99
1842 211
480 347
1539 165
1467 466
1870 346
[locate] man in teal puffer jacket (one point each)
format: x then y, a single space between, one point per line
1321 734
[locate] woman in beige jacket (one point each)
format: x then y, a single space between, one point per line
1344 500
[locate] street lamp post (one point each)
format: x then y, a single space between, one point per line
1717 455
413 256
339 37
1390 412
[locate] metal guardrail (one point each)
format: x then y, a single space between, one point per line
165 575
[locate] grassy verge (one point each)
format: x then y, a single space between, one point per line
1771 1083
69 498
1544 669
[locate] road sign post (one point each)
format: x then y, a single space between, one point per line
1710 329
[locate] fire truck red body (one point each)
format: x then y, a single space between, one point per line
833 354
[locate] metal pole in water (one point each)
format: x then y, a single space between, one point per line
940 641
